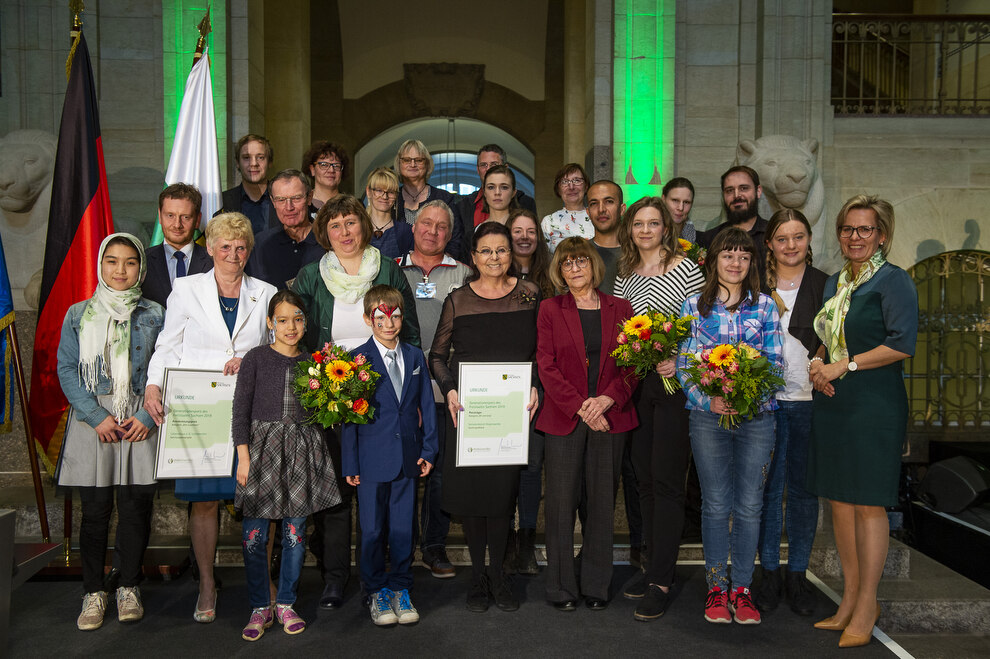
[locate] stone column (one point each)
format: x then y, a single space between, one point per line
246 82
287 76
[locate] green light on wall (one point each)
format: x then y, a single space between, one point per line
180 19
643 112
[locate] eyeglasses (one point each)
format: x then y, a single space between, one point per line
295 199
486 165
385 194
487 253
326 165
412 161
577 263
572 181
862 232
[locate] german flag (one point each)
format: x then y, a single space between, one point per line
78 222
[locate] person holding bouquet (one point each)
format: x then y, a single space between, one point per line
655 275
587 416
732 454
284 470
869 325
797 289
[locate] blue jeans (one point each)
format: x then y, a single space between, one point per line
789 467
255 541
434 522
531 482
732 467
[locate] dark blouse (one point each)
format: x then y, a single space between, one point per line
229 317
591 328
260 393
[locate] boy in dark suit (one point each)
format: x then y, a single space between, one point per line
383 458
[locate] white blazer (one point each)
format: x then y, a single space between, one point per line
195 336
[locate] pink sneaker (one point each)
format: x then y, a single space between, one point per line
717 607
741 604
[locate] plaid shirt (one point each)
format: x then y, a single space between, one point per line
757 325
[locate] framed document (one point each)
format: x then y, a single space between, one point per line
493 427
194 440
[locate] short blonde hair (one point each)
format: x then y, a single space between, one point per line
570 248
230 226
881 208
421 151
383 178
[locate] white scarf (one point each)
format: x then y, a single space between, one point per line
350 288
105 332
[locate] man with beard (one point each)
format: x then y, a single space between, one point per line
605 209
253 155
741 194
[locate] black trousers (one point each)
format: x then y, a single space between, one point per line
331 539
134 506
660 447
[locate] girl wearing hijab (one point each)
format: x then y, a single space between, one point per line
110 440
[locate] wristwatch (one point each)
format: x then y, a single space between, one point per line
852 366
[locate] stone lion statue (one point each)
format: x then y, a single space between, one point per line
788 169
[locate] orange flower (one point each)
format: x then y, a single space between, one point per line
338 370
360 406
723 354
637 324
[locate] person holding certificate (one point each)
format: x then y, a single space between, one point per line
213 320
587 415
491 319
110 441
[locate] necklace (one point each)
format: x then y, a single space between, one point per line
225 307
379 230
789 283
414 198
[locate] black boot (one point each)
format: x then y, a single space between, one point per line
770 590
526 561
511 555
800 593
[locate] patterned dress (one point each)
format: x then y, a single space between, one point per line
564 223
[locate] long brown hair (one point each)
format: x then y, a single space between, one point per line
539 267
730 240
779 218
670 249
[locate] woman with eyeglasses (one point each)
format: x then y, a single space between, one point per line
492 318
587 415
570 184
393 239
414 164
654 274
868 326
326 163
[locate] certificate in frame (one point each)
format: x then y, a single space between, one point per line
493 427
194 438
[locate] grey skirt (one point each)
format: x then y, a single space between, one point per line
85 461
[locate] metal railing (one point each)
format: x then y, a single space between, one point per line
897 64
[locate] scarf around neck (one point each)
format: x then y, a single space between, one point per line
105 332
830 322
350 288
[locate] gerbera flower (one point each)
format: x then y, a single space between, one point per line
685 244
338 370
750 351
723 354
637 324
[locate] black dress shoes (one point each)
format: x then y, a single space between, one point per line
566 605
595 604
333 597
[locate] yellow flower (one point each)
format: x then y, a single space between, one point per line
338 370
722 355
750 351
685 244
637 324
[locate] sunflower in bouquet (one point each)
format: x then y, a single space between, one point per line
695 252
739 374
336 387
647 339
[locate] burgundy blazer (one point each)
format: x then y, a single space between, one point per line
561 359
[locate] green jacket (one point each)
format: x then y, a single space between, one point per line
319 302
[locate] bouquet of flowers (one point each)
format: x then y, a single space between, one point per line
335 387
648 339
694 251
739 374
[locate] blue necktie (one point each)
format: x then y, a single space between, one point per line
180 264
393 372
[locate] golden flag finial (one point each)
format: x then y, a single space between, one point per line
76 7
204 28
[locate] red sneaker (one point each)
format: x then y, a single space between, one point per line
741 603
717 606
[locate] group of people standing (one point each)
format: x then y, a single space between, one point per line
293 264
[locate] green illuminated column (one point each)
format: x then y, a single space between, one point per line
180 19
643 111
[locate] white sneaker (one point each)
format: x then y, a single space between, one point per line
404 609
381 608
93 607
129 607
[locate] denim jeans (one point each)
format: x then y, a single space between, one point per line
255 541
789 467
732 467
531 482
434 522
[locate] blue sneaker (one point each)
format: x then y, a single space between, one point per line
381 608
402 605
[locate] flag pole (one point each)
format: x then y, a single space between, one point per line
204 28
39 493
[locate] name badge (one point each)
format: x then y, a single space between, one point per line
426 290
